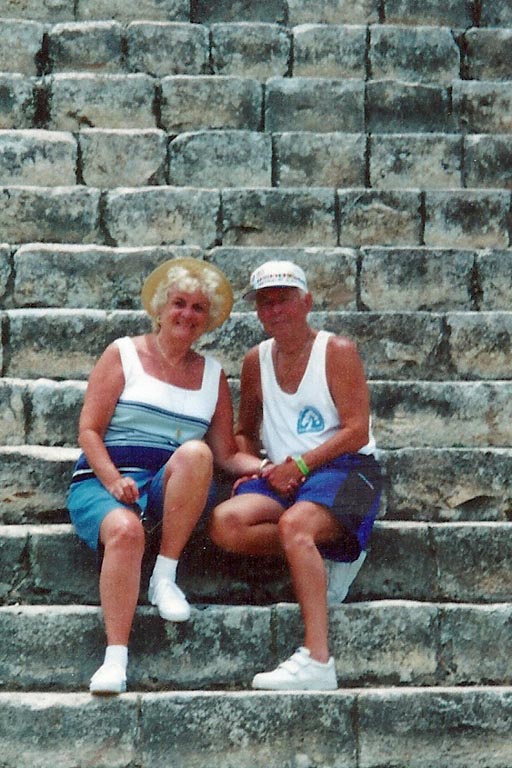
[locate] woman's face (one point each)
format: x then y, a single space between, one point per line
185 314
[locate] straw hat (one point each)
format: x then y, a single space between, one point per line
219 310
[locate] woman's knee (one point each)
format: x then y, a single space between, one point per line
122 529
193 455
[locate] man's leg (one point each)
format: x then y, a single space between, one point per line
247 524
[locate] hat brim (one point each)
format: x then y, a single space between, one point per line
198 269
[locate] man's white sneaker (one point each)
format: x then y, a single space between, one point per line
169 599
299 673
339 578
110 678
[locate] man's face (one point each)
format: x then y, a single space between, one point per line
280 308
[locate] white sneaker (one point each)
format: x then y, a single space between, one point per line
108 679
169 599
339 578
299 673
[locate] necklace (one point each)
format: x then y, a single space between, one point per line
171 363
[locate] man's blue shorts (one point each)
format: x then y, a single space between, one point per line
350 487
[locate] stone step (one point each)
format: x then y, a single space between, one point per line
426 644
370 278
65 344
358 728
423 484
455 562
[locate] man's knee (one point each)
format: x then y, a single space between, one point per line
225 526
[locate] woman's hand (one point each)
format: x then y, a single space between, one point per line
124 489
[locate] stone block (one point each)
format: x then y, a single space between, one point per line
414 54
101 101
483 107
17 101
149 10
170 48
333 12
195 103
487 54
252 50
40 10
55 410
488 161
423 161
267 11
5 276
76 46
435 727
495 279
122 157
453 13
49 214
385 217
397 107
278 217
33 158
311 104
320 159
331 272
20 44
321 50
34 482
467 218
13 565
162 216
101 277
496 14
13 396
436 280
481 344
221 159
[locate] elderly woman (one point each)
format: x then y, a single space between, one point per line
156 416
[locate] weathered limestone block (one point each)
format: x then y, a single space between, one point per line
49 214
268 11
122 157
495 279
149 10
310 104
13 396
162 216
13 542
435 727
101 101
321 50
320 159
415 54
20 42
36 157
442 414
481 344
41 10
221 159
230 343
487 54
55 411
488 161
65 344
279 217
425 160
170 48
385 217
86 276
34 482
5 274
396 107
250 50
76 46
467 218
331 272
454 13
416 279
192 103
333 12
474 562
17 101
483 107
497 13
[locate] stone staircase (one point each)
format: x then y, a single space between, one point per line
371 142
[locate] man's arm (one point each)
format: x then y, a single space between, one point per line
250 411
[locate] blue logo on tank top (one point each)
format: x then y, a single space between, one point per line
310 420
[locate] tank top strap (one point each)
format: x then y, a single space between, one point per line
130 361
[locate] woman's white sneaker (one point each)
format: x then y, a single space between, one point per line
169 599
110 678
299 673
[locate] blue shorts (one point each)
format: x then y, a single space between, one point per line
349 487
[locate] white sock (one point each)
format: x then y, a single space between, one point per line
117 654
165 568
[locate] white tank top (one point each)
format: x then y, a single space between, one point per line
295 423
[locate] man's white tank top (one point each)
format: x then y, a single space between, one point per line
295 423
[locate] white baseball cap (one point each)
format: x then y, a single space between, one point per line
276 274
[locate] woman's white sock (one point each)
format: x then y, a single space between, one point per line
117 654
165 568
